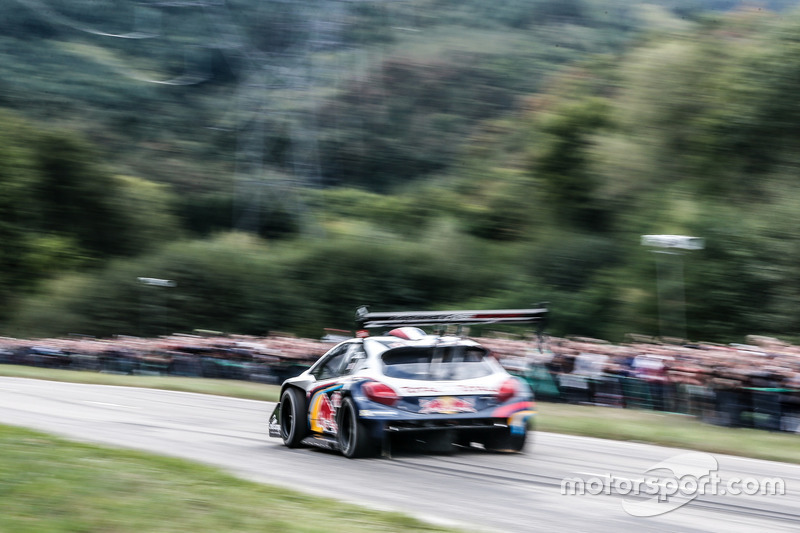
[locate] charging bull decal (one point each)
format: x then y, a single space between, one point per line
447 405
324 405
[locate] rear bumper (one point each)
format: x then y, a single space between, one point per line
518 420
401 426
383 419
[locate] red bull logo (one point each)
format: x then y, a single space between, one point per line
447 405
324 412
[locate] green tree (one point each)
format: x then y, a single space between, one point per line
75 196
17 208
561 161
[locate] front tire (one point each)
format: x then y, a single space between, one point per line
293 418
353 437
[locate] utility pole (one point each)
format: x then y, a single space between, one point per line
670 280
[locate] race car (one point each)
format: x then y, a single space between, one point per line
437 389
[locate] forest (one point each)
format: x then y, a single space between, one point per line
282 163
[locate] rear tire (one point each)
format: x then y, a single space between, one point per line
293 418
354 439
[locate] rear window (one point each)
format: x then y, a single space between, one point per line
450 363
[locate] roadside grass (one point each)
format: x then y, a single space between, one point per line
667 429
218 387
54 485
603 422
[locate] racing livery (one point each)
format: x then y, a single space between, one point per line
439 389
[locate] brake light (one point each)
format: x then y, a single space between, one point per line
507 390
381 393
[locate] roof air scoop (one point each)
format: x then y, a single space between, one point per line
408 333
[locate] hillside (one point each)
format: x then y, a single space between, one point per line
417 154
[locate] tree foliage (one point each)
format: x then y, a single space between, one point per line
60 209
480 155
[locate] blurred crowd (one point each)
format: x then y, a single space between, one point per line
268 360
739 385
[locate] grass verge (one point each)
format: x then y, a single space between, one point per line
219 387
50 484
667 429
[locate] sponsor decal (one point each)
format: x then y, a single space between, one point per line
508 410
518 422
367 413
336 400
326 414
274 427
461 389
324 405
447 405
418 390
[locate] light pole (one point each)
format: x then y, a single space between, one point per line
671 246
152 282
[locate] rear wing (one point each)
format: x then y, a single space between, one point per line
365 319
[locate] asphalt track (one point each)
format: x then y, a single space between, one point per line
474 490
